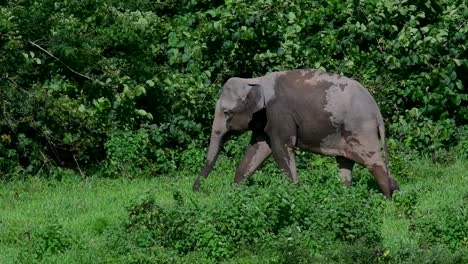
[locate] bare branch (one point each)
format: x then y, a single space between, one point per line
63 63
19 87
78 166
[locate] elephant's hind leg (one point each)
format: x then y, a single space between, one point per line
381 176
345 169
369 154
380 172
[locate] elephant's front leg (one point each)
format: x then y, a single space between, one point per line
283 153
256 153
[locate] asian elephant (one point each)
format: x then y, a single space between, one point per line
321 112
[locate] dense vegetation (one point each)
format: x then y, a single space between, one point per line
133 82
101 101
160 220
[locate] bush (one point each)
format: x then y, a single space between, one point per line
9 161
126 153
253 219
438 254
422 133
462 147
46 241
449 227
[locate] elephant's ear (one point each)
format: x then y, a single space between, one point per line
266 84
248 92
242 94
256 95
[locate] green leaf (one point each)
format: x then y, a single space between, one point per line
349 63
173 40
424 29
141 112
150 83
211 12
82 108
139 90
127 92
291 17
456 100
68 138
453 75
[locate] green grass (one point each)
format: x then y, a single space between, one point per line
83 207
86 209
436 187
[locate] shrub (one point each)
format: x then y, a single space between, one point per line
448 227
422 133
9 160
49 240
254 219
126 152
462 147
438 254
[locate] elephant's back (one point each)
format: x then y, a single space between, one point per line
323 104
315 90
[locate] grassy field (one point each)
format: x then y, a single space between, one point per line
71 219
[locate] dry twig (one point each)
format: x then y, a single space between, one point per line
64 64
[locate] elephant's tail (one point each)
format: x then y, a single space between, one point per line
381 133
392 183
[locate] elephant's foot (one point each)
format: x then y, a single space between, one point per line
196 185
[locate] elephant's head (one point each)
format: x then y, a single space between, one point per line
239 100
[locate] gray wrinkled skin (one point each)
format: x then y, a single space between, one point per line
321 112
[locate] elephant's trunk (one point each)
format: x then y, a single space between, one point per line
218 132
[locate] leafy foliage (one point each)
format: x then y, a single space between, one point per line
256 220
75 73
49 240
160 220
450 229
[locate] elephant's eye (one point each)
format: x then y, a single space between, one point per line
227 112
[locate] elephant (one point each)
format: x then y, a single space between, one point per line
314 110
